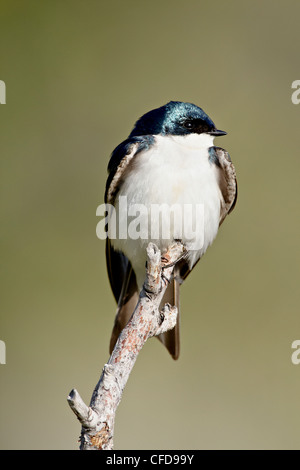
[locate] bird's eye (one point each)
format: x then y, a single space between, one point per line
196 125
188 124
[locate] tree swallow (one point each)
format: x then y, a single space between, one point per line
168 159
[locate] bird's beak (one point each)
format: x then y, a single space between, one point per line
217 132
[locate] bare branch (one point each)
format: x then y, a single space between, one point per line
98 419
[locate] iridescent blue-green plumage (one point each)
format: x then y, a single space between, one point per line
175 118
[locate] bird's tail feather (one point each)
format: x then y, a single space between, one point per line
171 339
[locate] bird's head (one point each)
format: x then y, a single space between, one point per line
176 118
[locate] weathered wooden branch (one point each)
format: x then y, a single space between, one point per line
98 419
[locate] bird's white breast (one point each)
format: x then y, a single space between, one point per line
175 170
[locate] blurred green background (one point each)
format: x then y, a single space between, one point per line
78 74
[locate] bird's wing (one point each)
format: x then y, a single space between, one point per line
227 180
121 275
228 186
119 161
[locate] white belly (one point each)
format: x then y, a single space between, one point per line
175 171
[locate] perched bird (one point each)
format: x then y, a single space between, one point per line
168 158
